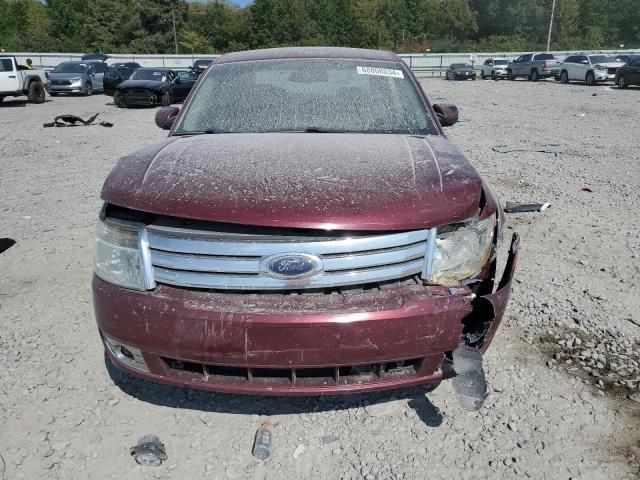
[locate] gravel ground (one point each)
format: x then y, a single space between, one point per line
563 370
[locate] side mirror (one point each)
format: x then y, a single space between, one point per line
447 114
177 80
165 117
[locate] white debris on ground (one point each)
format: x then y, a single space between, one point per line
64 414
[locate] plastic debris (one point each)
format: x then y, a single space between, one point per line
588 189
512 207
149 451
263 443
6 244
68 120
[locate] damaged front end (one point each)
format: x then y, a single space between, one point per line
479 328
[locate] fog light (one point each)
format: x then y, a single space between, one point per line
149 451
128 355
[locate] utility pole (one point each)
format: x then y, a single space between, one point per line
175 35
553 11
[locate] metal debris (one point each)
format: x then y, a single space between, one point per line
542 148
149 451
512 207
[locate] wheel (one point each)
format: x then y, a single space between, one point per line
166 99
493 75
510 75
534 77
621 82
53 94
88 89
118 99
564 76
36 92
482 75
591 79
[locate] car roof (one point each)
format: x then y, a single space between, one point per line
160 69
308 52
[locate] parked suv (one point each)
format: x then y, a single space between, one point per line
534 66
494 68
306 228
589 68
83 77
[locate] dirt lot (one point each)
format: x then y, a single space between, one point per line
64 414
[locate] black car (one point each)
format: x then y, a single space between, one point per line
629 74
200 66
118 73
154 86
625 57
460 71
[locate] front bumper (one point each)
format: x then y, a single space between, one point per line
464 76
145 98
602 76
281 344
65 88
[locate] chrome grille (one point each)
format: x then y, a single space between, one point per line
235 261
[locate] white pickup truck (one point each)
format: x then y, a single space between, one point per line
17 80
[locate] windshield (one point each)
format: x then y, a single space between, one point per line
70 67
500 62
601 59
461 65
307 95
144 74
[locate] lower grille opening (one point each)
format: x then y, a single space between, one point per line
336 375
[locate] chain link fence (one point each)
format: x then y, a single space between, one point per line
428 64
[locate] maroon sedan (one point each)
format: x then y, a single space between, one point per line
306 228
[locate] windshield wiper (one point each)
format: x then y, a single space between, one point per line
203 132
314 130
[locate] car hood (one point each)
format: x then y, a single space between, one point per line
301 180
149 84
612 64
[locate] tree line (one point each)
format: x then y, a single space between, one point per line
216 26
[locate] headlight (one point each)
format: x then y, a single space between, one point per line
117 258
461 252
600 67
76 80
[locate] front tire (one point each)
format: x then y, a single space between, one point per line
510 75
621 82
36 93
53 94
88 90
482 75
493 76
564 77
535 76
591 79
118 100
166 99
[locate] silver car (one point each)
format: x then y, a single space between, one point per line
83 77
494 68
590 68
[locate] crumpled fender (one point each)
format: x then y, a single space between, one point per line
498 300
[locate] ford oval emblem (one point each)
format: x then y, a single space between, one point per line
292 265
